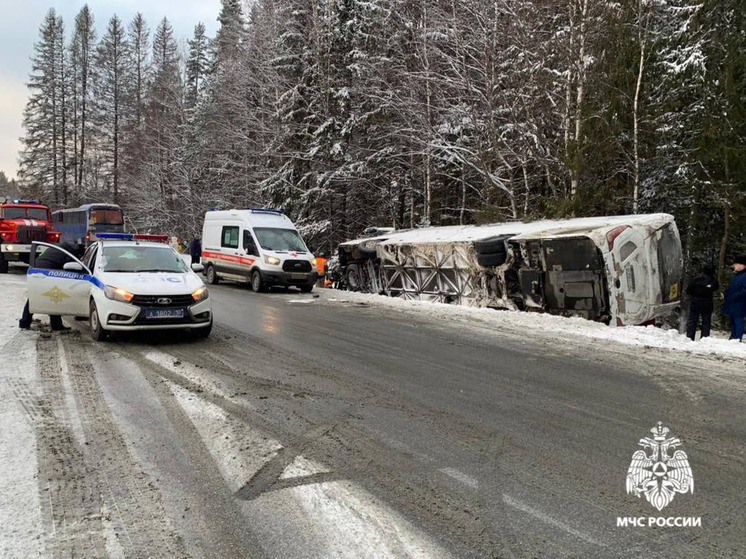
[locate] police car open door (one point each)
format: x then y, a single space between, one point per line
60 292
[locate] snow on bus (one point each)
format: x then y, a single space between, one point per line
621 270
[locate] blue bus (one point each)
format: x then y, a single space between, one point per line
80 225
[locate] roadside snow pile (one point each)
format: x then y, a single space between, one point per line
644 336
22 534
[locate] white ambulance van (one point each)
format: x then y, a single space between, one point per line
258 246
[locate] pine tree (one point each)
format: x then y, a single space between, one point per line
197 65
231 32
81 62
224 114
41 159
138 37
160 178
112 73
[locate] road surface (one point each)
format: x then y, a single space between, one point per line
331 427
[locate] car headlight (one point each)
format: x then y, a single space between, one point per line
273 260
118 294
200 295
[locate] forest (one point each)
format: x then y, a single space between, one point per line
354 113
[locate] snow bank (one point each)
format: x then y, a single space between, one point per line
644 336
22 533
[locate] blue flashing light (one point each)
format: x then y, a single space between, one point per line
117 236
26 201
267 211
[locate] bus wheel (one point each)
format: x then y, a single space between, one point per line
211 274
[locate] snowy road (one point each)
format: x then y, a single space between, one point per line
338 427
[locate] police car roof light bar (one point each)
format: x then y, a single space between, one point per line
146 237
116 236
266 211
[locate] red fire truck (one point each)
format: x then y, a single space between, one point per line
21 223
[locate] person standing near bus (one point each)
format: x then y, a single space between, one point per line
700 291
735 298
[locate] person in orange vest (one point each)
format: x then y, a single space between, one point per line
321 269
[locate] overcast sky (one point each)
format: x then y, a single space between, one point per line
19 30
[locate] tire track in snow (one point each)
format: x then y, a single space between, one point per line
95 500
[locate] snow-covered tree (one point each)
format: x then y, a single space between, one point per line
42 161
112 72
81 63
197 65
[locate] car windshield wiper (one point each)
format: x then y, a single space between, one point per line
117 271
158 270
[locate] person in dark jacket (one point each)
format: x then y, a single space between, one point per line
50 259
735 298
700 291
195 250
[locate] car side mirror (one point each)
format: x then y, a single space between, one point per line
198 268
73 267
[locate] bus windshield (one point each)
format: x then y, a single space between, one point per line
279 239
111 216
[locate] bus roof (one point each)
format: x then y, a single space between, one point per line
95 206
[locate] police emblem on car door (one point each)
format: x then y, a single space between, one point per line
59 292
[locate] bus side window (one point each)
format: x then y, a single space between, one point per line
627 250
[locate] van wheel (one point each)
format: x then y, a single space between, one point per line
211 275
256 282
98 333
306 288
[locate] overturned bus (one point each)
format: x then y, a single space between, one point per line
621 270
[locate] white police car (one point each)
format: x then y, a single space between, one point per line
124 282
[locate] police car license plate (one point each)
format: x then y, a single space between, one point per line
298 276
164 313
